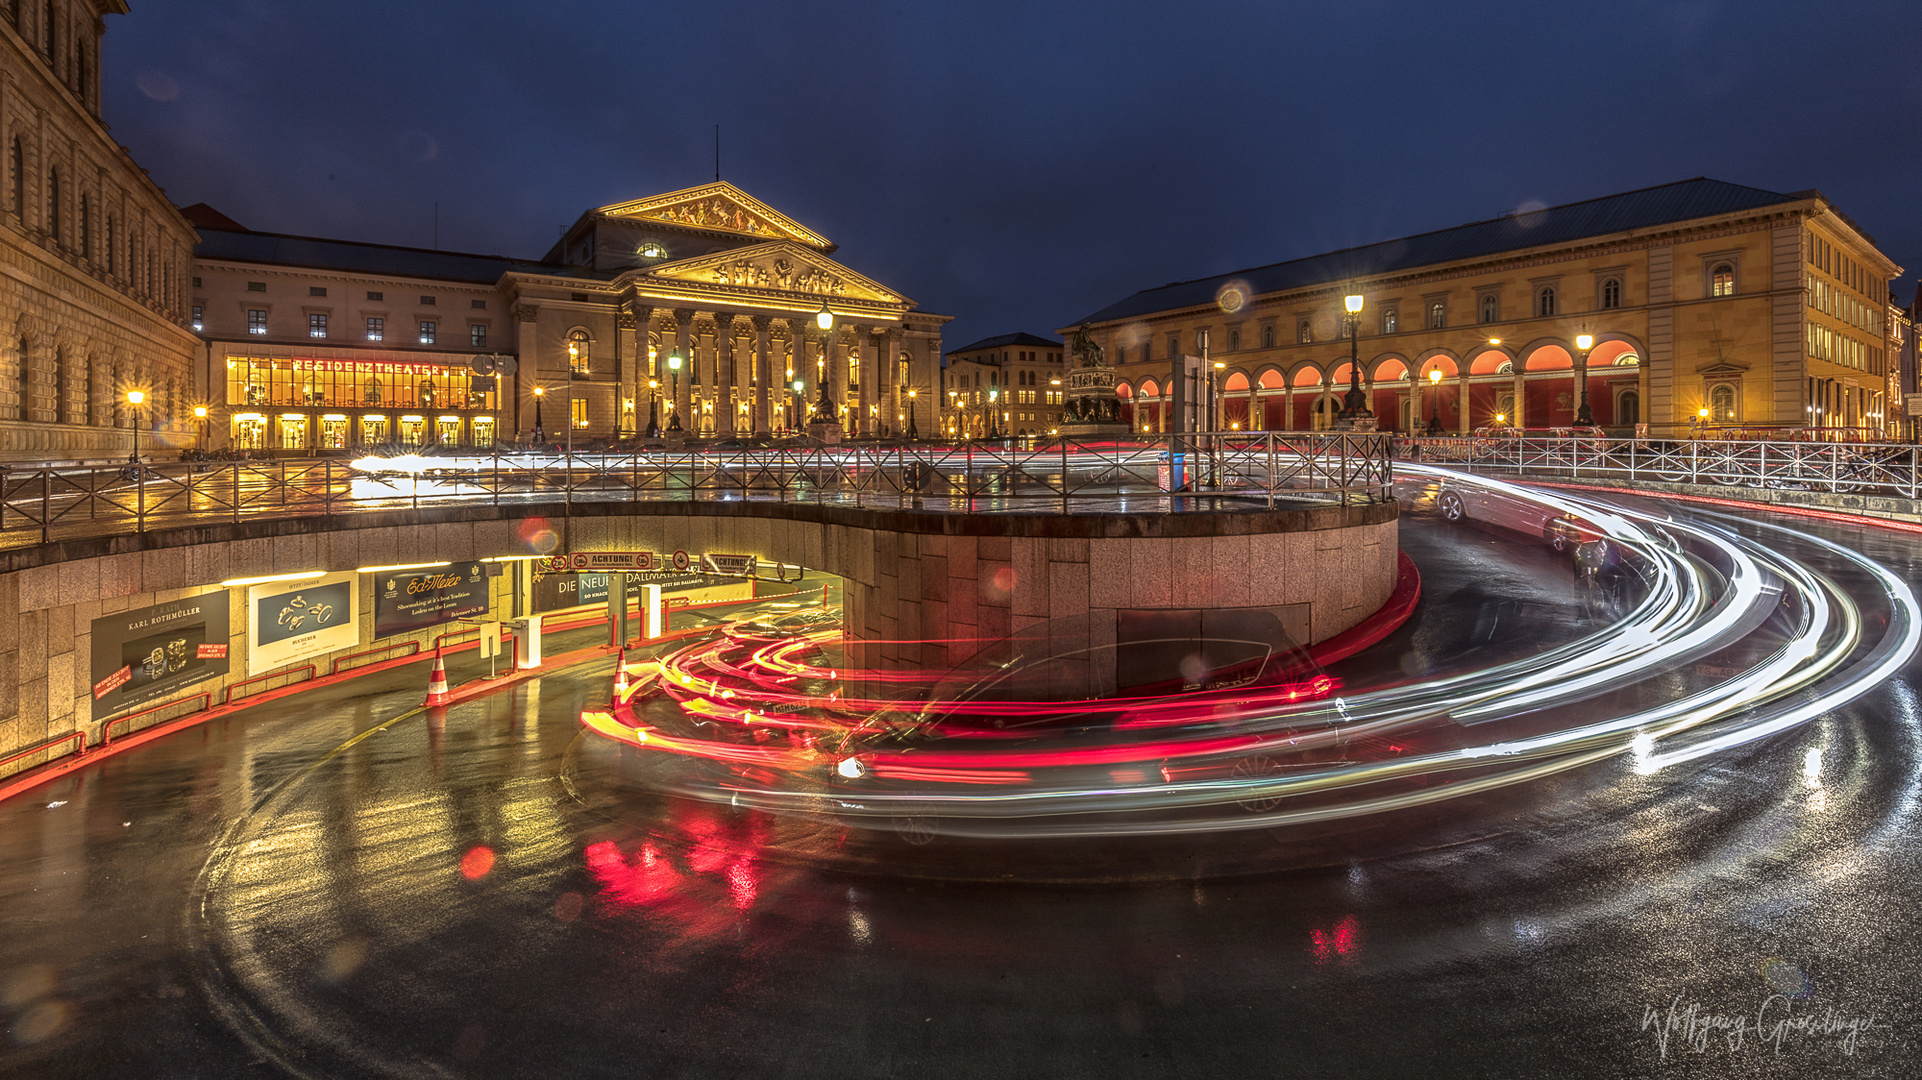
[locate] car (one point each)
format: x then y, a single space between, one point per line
1563 532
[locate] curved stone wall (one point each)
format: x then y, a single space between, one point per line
910 574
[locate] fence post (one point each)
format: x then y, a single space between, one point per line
46 505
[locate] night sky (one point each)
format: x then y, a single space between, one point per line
1017 165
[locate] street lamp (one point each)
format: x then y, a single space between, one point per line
134 398
1214 396
1355 403
200 414
823 408
912 433
653 408
800 403
674 395
994 414
1584 341
1434 400
540 430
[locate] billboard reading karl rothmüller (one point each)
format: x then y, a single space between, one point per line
142 656
291 620
418 599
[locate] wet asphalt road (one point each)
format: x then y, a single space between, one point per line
340 885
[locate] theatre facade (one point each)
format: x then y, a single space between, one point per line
700 313
1710 305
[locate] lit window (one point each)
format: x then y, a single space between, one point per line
1545 301
1612 293
1437 315
427 329
196 316
580 412
477 335
1721 403
376 328
316 325
580 352
1722 281
256 321
1491 308
1390 320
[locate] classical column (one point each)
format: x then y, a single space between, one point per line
804 369
683 328
895 402
528 375
724 371
864 372
1256 421
1521 398
1461 400
764 371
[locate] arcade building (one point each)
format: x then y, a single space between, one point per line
1703 306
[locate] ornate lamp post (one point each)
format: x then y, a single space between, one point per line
653 408
823 408
674 395
912 433
1584 341
1434 401
994 413
134 398
1355 402
540 431
800 401
200 414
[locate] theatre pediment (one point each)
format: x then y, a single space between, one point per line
718 207
782 267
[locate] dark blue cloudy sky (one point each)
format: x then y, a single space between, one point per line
1015 163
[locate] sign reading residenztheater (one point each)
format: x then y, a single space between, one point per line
418 599
140 656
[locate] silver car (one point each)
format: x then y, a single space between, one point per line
1472 502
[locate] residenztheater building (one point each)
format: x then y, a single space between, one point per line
1707 301
702 307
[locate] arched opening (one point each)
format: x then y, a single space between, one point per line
1124 396
1236 413
580 353
1551 396
1150 407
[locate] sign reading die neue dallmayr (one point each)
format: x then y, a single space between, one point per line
415 599
142 656
296 619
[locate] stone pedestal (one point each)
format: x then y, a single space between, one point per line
827 434
1094 430
1357 426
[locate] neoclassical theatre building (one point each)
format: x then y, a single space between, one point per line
702 306
1707 301
93 297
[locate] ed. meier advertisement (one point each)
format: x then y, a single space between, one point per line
142 656
296 619
416 599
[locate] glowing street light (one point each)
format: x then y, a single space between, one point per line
134 398
674 395
1434 400
1354 403
1584 341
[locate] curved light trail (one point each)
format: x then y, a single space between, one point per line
764 719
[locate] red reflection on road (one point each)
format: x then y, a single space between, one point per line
1339 942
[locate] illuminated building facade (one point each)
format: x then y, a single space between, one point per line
316 346
1709 305
1015 375
93 258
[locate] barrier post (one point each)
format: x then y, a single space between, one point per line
652 602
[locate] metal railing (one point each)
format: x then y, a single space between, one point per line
1865 468
1148 474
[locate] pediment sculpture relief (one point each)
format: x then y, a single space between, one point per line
715 213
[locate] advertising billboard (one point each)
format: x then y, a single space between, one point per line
416 599
558 592
146 655
290 620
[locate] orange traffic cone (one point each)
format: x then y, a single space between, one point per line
437 683
620 677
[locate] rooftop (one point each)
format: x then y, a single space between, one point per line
1007 341
1646 208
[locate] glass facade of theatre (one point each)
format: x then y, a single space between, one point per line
309 405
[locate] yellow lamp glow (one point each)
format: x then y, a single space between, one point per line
1434 375
200 412
1354 304
135 397
824 318
1584 342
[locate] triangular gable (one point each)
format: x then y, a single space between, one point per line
720 207
781 266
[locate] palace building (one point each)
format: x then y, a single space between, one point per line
699 310
1708 303
93 257
1015 375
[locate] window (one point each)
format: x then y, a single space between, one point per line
196 283
1390 320
86 227
1234 341
580 352
427 329
1612 293
477 335
580 412
196 316
316 325
1545 301
426 301
1267 337
376 296
53 204
1491 308
256 321
17 169
1304 333
1437 315
316 290
1721 403
1628 407
1722 281
256 286
478 305
376 328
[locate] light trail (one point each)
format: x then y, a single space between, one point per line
827 741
